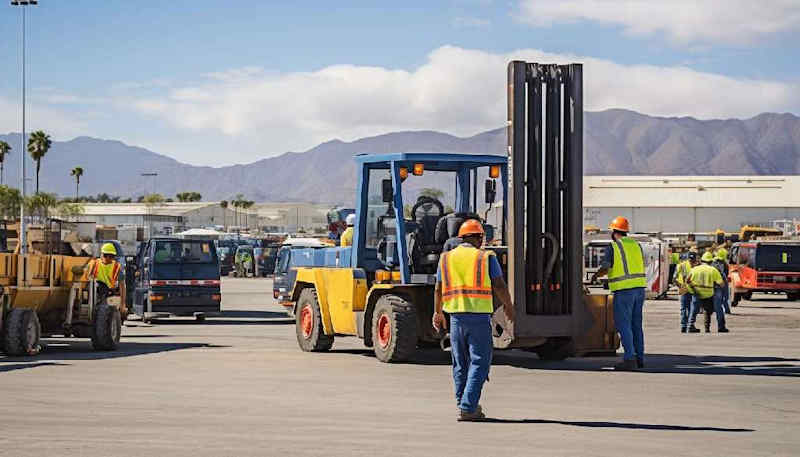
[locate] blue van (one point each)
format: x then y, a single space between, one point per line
298 252
177 277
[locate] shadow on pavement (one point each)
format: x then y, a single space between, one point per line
603 424
656 363
70 349
222 321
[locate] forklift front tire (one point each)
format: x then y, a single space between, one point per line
394 329
107 328
21 333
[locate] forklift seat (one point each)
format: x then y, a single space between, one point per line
423 248
447 228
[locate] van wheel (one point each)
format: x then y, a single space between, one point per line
107 328
394 329
555 349
22 332
308 323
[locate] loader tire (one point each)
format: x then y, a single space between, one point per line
394 329
22 332
555 349
106 328
308 323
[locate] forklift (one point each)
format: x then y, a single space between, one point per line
381 288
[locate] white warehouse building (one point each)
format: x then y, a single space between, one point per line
690 203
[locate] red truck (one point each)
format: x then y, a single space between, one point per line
764 266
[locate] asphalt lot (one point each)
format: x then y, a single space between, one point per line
238 385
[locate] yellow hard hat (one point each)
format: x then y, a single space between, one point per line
707 257
108 248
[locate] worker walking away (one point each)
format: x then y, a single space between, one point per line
624 263
688 303
465 282
702 281
105 271
347 235
674 260
721 264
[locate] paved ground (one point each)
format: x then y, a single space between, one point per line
239 386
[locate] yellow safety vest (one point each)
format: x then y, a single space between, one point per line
466 285
702 279
105 273
675 258
627 271
347 237
682 274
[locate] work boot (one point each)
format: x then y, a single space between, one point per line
639 363
693 329
683 329
724 330
477 416
708 329
626 365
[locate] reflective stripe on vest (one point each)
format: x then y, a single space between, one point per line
627 271
466 286
106 274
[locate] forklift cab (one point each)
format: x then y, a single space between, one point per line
411 206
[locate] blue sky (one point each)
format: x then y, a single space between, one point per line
221 82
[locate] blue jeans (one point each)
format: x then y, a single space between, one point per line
724 298
628 304
718 307
471 349
688 314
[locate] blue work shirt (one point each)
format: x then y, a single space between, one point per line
494 269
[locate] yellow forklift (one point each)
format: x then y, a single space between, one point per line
381 288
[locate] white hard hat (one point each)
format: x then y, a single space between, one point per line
350 219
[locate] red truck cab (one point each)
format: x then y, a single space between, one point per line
764 266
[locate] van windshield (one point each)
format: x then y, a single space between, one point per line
169 251
778 257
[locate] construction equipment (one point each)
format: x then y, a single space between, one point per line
381 289
46 295
766 267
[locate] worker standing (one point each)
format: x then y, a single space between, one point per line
674 260
702 281
624 263
466 279
721 264
688 314
105 271
347 235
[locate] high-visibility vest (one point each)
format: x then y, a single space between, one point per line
466 285
347 237
105 273
675 258
682 274
627 271
702 279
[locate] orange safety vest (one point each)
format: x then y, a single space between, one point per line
107 274
466 285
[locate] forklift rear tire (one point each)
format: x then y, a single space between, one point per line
555 349
394 329
22 332
107 328
308 323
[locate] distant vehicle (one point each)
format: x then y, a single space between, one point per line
764 266
295 252
177 277
225 254
265 260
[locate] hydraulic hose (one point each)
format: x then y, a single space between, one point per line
553 257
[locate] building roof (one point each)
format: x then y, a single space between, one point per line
691 191
138 209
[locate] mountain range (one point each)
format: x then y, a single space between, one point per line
616 142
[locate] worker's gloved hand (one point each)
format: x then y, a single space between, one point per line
439 321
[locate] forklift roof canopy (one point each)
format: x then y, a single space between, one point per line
434 161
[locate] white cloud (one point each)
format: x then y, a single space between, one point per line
457 90
682 21
59 123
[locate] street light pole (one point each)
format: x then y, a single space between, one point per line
23 246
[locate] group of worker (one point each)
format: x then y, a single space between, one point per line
703 285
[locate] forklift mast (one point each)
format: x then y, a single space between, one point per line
545 182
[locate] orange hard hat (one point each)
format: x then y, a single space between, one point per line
620 224
470 227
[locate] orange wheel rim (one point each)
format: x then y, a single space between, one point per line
306 321
384 331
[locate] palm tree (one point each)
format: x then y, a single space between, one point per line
224 205
77 172
38 145
5 148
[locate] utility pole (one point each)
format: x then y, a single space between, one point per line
23 245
